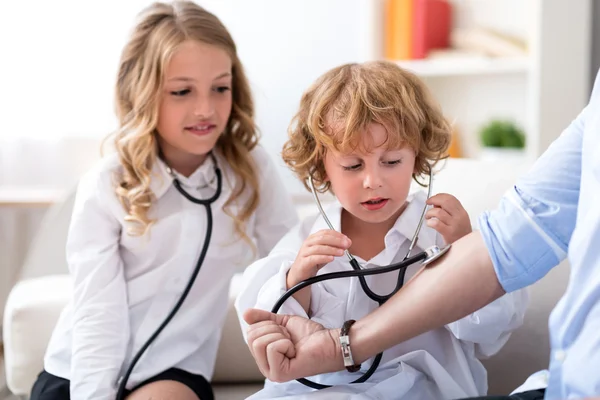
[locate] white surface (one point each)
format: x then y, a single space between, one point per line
561 53
32 310
20 196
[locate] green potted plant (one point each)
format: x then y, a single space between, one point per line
501 139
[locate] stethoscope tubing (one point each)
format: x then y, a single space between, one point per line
347 274
209 222
357 271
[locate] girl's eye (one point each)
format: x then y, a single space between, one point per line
393 162
180 93
351 167
222 89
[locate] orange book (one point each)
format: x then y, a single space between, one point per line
399 20
454 151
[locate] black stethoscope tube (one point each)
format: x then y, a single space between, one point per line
348 274
360 273
206 203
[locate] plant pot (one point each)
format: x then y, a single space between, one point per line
501 154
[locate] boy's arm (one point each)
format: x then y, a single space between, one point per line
275 214
264 281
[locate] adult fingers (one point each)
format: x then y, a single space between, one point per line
254 315
259 346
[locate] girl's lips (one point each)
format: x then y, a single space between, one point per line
201 130
374 204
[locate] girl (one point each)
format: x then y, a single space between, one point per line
186 116
364 132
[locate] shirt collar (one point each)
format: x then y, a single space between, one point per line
203 177
407 223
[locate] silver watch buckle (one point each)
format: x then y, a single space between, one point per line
346 352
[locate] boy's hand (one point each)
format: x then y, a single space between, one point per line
448 217
318 249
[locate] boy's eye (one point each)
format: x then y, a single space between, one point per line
222 89
393 162
351 167
180 93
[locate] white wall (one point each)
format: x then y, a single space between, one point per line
285 45
58 77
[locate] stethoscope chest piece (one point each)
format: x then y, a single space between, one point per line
434 252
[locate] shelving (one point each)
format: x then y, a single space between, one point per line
541 91
467 66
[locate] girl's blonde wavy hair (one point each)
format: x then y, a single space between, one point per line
341 104
160 30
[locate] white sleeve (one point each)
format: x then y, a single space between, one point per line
275 215
264 282
100 310
325 308
489 328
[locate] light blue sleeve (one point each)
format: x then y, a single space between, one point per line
529 233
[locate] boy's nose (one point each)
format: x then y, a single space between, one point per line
372 180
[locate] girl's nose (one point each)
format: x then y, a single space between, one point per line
204 108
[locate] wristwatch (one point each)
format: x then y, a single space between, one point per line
345 346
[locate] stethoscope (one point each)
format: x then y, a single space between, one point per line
425 257
206 203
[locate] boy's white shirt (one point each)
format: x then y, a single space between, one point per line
440 364
125 286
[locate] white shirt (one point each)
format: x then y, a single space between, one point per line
440 364
125 286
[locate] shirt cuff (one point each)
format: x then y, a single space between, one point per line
521 251
325 308
272 291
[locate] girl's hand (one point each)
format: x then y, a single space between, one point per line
448 217
318 249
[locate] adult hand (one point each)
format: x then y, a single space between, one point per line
290 347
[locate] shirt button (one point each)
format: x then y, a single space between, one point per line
560 355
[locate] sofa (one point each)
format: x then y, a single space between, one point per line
44 287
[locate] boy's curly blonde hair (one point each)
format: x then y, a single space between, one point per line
161 28
345 100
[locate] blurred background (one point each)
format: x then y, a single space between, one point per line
509 74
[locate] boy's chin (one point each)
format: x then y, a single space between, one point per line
375 217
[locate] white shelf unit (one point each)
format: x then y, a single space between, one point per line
542 92
467 66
